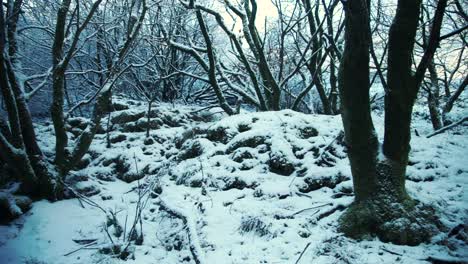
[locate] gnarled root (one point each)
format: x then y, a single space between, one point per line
13 206
404 223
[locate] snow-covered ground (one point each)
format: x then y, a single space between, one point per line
252 188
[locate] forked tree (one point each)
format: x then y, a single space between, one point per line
382 206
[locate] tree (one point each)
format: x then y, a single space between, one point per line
19 149
382 206
66 161
18 143
454 46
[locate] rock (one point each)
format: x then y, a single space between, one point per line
23 202
87 188
315 183
155 123
243 127
236 183
118 138
119 106
132 127
279 164
148 141
192 149
307 132
189 134
84 162
241 154
126 117
250 141
106 177
218 134
202 116
78 122
13 206
75 177
130 176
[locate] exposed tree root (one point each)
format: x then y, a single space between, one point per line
335 208
406 222
13 206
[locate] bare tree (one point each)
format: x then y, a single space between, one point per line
381 199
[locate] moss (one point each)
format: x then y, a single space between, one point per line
119 106
236 183
218 134
256 226
189 134
191 150
148 141
118 138
404 223
243 127
241 155
126 117
313 183
130 176
250 142
78 122
307 132
279 164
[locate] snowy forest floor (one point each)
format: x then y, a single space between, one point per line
251 188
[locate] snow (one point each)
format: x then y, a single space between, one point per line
228 187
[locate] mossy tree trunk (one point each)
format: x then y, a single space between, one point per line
18 142
382 206
353 83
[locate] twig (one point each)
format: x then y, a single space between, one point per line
310 208
302 253
391 252
80 248
339 207
84 241
83 198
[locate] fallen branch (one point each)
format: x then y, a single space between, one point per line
302 253
80 248
329 212
310 208
443 129
390 251
194 242
437 260
84 241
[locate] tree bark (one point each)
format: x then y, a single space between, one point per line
58 77
382 206
360 136
433 97
18 142
313 65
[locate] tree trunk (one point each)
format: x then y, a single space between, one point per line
449 105
212 66
360 136
18 142
58 82
433 98
382 207
148 125
313 65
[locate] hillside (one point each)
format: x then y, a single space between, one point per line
251 188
